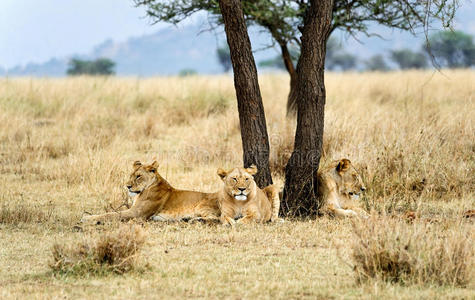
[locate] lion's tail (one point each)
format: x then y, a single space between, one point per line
272 193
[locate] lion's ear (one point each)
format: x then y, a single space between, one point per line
222 173
252 170
137 164
343 165
153 167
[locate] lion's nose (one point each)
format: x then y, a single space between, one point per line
242 189
363 189
129 187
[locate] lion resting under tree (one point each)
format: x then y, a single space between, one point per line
243 200
340 186
240 199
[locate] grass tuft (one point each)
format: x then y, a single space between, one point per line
111 252
418 253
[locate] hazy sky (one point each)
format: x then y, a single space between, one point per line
37 30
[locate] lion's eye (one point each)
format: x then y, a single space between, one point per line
247 179
138 176
235 179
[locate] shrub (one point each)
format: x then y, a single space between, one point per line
110 252
418 253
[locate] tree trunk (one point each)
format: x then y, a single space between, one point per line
289 66
300 192
255 141
293 96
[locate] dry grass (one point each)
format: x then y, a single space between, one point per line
24 213
115 252
66 146
419 253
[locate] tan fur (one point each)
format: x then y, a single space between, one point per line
157 199
339 183
259 206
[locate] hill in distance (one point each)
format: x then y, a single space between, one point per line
165 52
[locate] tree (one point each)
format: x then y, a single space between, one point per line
274 62
278 63
187 72
284 19
376 63
336 58
100 66
315 20
408 59
255 141
320 19
301 188
452 49
344 61
224 57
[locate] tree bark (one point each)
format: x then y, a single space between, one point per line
300 191
289 66
255 140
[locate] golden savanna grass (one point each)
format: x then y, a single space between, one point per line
115 251
67 146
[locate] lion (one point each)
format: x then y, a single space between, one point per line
155 199
242 198
340 186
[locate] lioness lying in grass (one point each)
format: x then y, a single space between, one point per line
156 199
241 197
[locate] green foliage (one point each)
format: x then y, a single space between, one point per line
100 66
376 63
283 18
408 59
224 57
187 72
452 49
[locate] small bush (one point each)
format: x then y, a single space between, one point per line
418 253
110 252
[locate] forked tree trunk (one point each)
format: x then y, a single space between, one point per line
255 141
300 192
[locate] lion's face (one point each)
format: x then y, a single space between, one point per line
350 180
142 177
239 183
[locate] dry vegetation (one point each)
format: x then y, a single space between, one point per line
66 146
116 252
422 253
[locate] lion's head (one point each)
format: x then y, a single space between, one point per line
142 177
239 183
348 179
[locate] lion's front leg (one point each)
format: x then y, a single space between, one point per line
227 214
225 220
250 216
140 209
361 212
111 216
